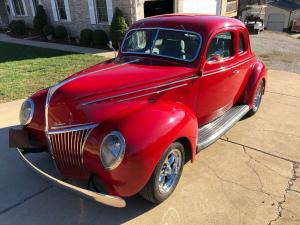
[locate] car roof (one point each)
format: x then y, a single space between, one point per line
203 24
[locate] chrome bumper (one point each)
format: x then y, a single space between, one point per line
98 197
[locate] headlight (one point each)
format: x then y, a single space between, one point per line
112 150
26 112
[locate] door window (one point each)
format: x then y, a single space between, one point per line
220 47
242 43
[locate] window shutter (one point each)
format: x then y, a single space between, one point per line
67 7
25 9
32 7
110 11
12 9
92 11
54 10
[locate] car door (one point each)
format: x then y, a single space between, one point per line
242 66
215 88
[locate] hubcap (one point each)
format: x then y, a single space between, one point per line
257 98
169 171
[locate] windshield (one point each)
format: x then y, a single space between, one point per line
177 44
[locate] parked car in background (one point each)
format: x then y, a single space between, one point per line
178 83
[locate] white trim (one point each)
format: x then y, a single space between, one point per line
67 9
25 8
32 7
92 12
54 10
12 8
110 12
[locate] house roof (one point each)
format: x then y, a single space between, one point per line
289 6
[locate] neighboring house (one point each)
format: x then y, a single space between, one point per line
76 15
280 14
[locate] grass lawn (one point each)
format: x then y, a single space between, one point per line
25 70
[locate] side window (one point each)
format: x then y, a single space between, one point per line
220 47
242 43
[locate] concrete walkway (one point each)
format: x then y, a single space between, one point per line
62 47
251 176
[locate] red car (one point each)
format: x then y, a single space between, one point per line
129 124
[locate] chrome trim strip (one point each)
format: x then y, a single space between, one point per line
58 85
110 200
163 56
140 90
155 92
72 129
227 68
70 126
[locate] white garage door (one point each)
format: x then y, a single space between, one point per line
205 7
276 22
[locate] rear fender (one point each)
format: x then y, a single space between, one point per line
148 132
259 73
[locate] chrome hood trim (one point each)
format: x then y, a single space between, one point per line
54 88
165 87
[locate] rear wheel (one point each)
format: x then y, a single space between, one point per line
166 175
257 99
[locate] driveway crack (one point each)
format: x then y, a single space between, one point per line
288 188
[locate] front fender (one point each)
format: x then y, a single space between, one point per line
148 132
259 72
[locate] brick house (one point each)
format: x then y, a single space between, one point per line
76 15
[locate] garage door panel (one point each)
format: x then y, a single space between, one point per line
276 22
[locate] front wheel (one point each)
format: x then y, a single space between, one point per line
257 99
166 175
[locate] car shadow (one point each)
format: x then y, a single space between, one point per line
24 195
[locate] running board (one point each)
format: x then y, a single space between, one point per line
211 132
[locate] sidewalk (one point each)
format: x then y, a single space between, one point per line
62 47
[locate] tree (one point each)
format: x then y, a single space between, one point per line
118 27
40 19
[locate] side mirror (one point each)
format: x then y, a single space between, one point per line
111 46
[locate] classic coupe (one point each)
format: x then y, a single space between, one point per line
129 124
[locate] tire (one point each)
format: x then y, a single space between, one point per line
257 99
153 191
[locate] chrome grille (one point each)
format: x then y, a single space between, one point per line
67 146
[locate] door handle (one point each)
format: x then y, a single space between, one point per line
236 72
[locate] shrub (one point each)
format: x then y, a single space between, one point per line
118 28
48 30
60 32
40 19
17 27
86 36
100 37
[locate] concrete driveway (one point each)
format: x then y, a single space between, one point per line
250 176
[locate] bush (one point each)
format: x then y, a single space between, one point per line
100 37
60 32
40 19
17 27
48 30
86 36
118 28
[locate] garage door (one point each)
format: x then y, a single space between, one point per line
276 22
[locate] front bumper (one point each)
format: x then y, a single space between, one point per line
110 200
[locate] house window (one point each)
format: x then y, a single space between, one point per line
18 7
101 11
61 9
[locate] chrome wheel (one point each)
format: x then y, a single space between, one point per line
169 171
258 96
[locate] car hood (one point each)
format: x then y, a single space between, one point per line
110 81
